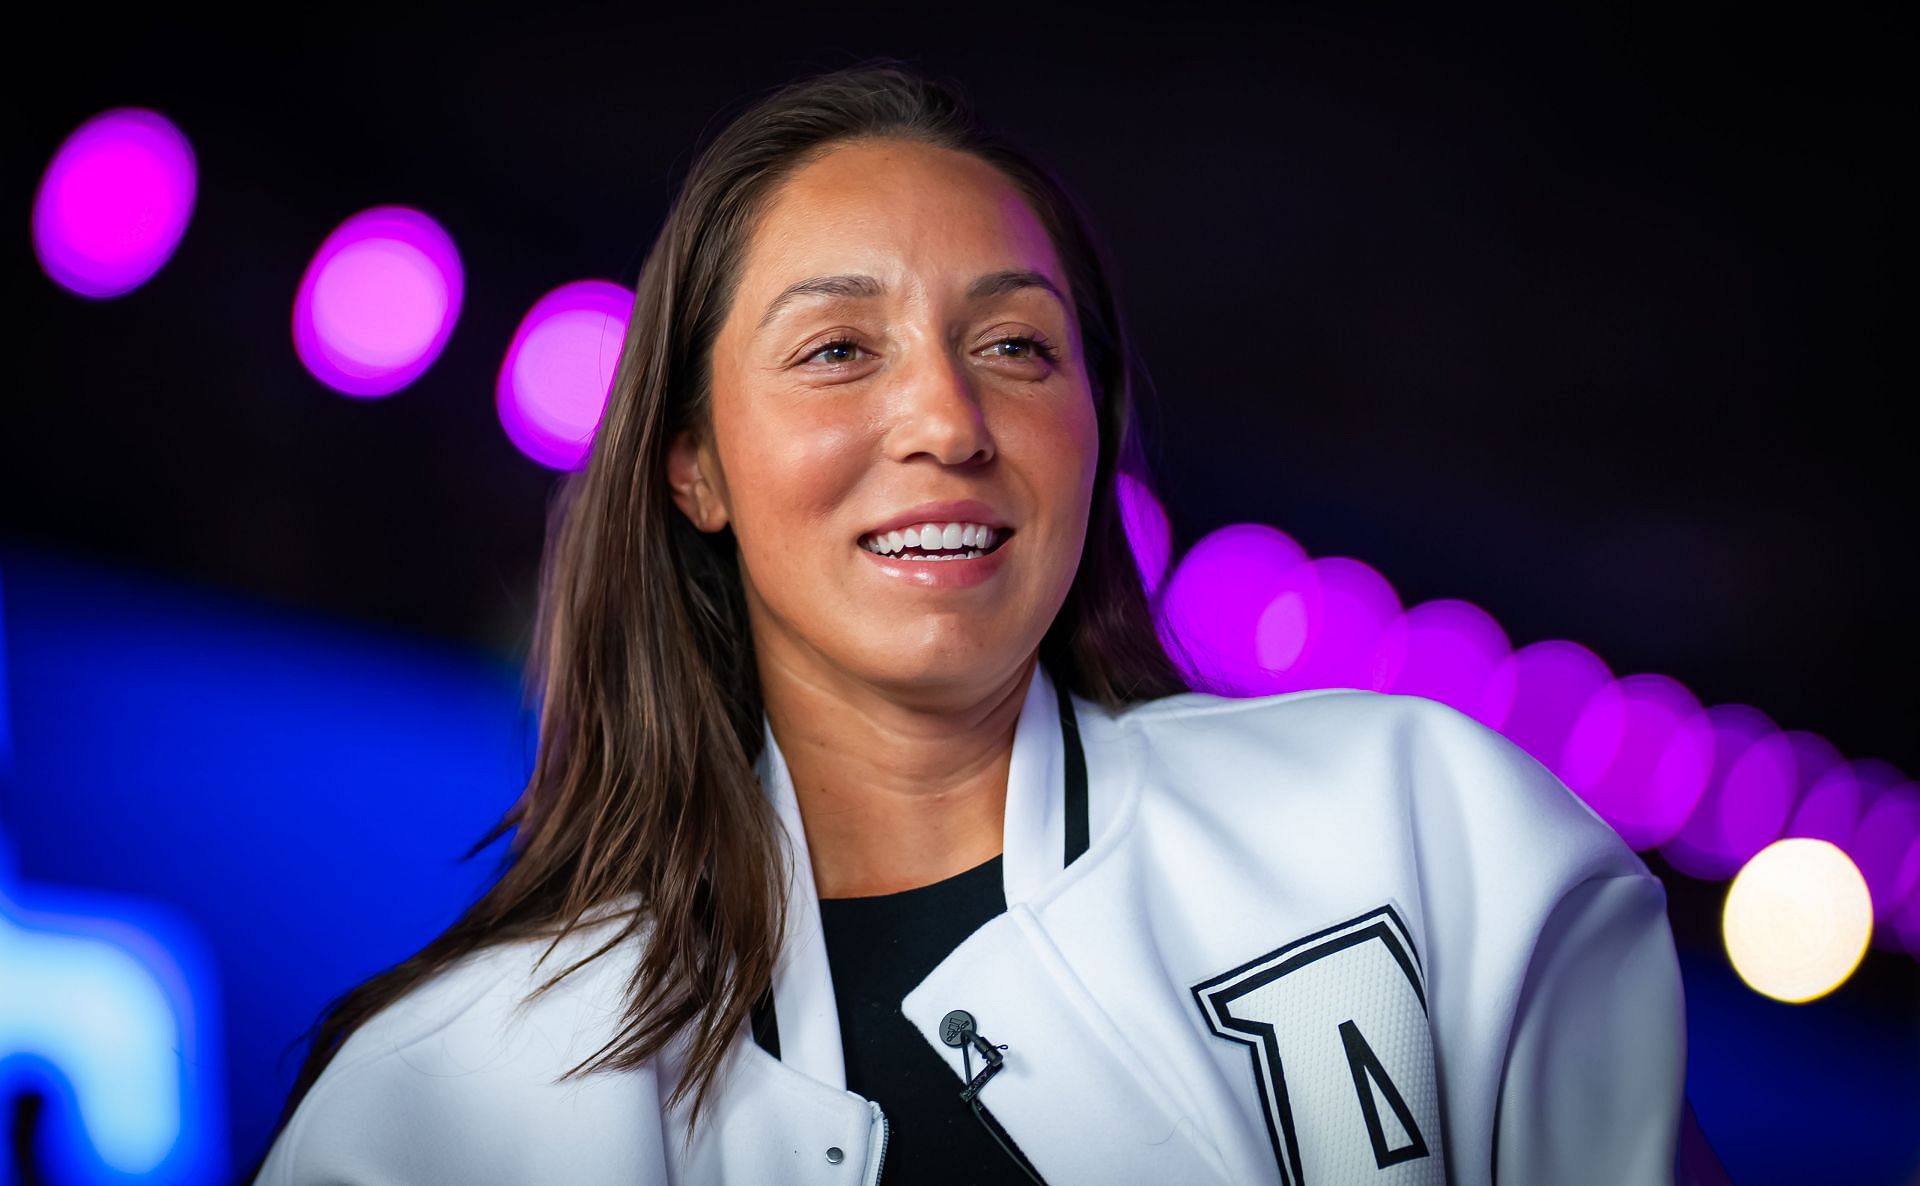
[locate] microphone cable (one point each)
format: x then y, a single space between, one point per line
957 1029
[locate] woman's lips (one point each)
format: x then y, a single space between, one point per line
941 574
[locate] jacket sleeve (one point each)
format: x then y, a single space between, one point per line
1592 1085
1556 986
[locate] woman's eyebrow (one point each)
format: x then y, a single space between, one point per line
846 285
858 286
995 284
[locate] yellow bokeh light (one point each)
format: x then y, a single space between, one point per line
1797 920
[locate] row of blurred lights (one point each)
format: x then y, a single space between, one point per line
1824 852
378 300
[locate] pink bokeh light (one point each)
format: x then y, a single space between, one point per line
378 302
1552 682
114 202
1323 626
1451 651
1210 612
1640 755
1246 613
1901 930
1886 847
1148 532
559 370
1747 797
1832 805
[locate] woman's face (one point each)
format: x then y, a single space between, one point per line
886 353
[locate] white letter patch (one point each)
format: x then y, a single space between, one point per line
1336 1026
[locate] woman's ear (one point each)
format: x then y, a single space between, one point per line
693 473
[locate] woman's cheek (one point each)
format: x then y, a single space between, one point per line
1065 434
794 475
820 454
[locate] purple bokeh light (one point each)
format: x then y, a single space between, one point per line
559 370
114 202
1451 651
378 301
1552 681
1833 804
1289 628
1813 756
1210 612
1747 797
1148 531
1246 613
1640 755
1901 927
1322 629
1886 847
1838 806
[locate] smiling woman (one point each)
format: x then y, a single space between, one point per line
858 743
912 395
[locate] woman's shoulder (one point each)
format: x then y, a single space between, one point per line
1402 755
491 989
1344 711
1325 725
1305 726
467 1062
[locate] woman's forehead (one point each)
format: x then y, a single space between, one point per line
911 215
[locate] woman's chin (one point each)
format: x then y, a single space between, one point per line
940 671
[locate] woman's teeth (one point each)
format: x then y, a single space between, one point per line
934 541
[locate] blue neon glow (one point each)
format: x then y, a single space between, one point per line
300 789
93 1011
100 1015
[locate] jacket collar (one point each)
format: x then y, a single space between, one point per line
1080 1094
1046 827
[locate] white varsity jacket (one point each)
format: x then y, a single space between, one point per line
1315 939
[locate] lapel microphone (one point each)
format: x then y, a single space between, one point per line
957 1028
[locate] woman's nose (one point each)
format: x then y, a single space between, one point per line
938 411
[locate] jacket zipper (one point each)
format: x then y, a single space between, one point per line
876 1144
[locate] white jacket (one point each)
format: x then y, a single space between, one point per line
1321 938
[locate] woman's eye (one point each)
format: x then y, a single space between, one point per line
841 347
1034 347
842 350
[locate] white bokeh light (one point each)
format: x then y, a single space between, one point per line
1797 919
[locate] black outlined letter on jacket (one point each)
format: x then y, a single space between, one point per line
1335 1025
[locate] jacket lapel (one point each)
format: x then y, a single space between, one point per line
1034 838
1033 848
809 1023
1073 1092
1085 1100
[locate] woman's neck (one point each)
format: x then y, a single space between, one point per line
893 796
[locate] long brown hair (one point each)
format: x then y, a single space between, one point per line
650 718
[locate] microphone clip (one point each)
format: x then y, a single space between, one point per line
957 1029
991 1060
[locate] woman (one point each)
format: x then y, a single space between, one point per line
860 756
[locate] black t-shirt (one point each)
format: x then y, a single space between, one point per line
878 949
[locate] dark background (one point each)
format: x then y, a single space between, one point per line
1584 317
1588 319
